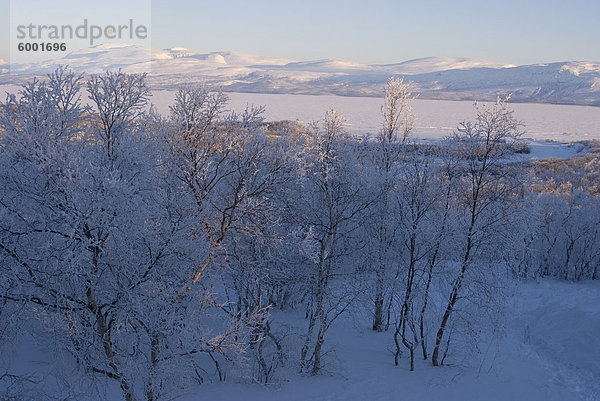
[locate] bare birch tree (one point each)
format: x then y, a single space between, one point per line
484 189
397 124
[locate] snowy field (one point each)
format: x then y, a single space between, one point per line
550 352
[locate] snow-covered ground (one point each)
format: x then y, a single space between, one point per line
549 149
550 352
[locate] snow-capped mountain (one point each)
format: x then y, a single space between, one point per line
435 64
434 77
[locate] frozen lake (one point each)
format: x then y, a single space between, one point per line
434 118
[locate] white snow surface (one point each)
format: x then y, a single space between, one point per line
551 353
434 64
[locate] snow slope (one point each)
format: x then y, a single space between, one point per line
551 353
434 78
560 323
434 64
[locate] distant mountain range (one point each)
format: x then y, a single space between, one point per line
575 82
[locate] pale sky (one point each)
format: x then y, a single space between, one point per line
372 31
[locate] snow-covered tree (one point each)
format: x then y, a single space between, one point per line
396 126
484 190
327 210
96 235
417 198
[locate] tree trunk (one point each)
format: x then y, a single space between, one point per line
318 347
378 315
